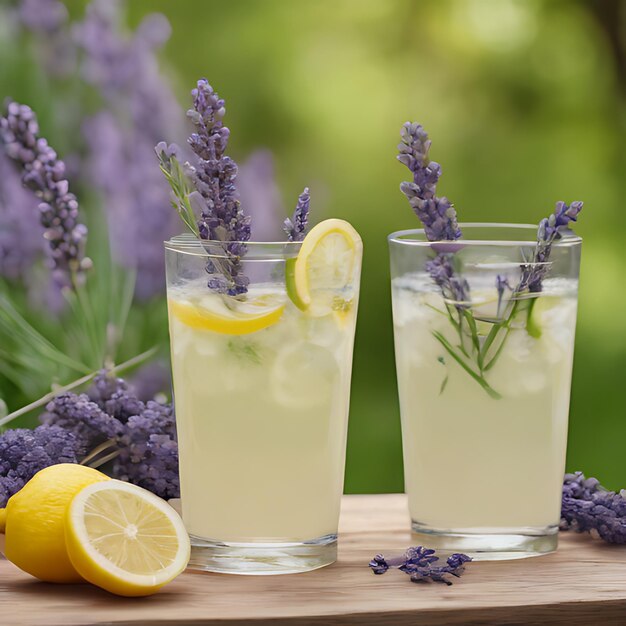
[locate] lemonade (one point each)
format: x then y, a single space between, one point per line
262 394
477 465
484 331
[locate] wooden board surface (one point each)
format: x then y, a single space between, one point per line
583 583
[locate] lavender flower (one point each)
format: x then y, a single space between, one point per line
20 238
140 108
454 287
84 418
436 214
550 230
23 452
296 227
141 436
149 452
260 196
213 175
43 16
48 21
418 563
43 173
589 507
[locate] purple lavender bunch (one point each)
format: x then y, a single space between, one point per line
296 226
436 214
139 438
44 173
23 452
550 230
588 507
419 564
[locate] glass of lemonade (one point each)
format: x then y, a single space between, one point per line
261 389
484 387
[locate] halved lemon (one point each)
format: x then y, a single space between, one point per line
236 318
125 539
325 267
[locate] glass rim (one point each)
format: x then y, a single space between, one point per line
188 243
403 237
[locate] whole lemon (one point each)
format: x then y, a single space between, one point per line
35 521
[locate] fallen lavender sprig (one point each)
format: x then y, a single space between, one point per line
296 226
44 173
418 563
588 507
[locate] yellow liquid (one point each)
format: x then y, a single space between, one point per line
474 463
262 421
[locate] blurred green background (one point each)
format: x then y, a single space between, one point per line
524 101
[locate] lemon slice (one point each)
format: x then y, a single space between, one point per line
325 267
241 318
125 539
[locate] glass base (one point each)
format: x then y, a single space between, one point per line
489 544
228 557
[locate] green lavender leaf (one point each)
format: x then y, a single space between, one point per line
477 377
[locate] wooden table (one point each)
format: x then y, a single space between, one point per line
583 583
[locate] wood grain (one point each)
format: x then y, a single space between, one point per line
583 583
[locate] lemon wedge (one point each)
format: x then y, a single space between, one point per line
240 318
326 266
125 539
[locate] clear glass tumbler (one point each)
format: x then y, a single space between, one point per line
261 392
484 342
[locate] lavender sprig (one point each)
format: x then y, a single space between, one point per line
589 507
214 174
439 219
436 214
44 173
183 193
296 226
550 230
215 197
418 562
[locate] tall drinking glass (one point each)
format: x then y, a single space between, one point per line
261 392
484 342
